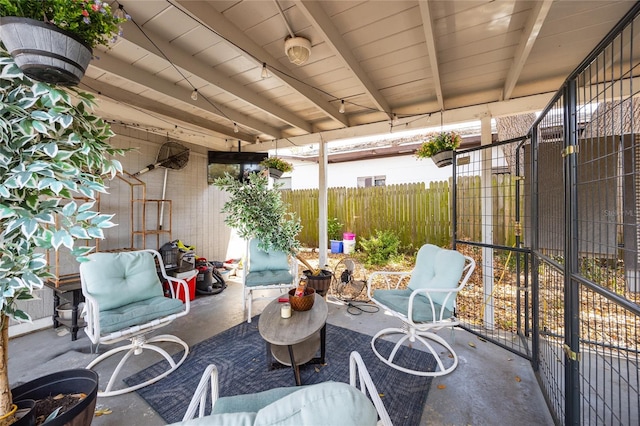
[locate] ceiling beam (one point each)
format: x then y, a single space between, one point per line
461 115
430 38
527 40
313 11
166 112
209 17
123 70
211 75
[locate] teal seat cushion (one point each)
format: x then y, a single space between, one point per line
260 260
118 279
137 313
251 403
258 278
228 419
329 403
437 268
398 300
322 404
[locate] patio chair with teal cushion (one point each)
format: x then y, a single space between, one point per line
125 300
329 403
425 305
264 270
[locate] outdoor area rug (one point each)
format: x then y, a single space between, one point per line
239 354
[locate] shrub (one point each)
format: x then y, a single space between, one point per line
380 248
334 228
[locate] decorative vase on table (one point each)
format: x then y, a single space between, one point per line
44 52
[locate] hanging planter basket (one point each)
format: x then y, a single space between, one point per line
443 158
275 173
44 52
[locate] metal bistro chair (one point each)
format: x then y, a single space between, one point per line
124 301
265 270
427 304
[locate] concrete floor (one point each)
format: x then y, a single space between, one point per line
490 386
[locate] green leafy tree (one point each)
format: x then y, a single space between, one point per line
381 247
53 157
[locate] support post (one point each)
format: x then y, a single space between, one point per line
486 197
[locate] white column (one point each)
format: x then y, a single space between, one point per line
322 204
486 195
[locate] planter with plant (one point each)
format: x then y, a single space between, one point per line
54 155
52 40
257 211
334 231
439 148
276 166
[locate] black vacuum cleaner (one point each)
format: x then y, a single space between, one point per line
209 281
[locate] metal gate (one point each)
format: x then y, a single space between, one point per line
564 291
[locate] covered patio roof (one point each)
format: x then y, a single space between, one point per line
397 65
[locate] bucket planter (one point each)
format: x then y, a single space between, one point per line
443 158
320 282
63 382
44 52
275 173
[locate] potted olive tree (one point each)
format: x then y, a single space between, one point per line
439 148
255 210
54 155
62 35
276 166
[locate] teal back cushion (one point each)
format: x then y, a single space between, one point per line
260 260
117 279
437 268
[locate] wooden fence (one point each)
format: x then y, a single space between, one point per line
415 212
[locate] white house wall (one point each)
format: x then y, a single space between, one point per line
397 170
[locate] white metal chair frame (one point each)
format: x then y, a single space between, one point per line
358 374
419 331
135 334
247 291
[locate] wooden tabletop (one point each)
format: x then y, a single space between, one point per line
289 331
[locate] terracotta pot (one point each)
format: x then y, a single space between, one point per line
44 52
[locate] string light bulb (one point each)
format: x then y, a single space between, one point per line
395 120
257 139
194 95
235 128
265 71
341 110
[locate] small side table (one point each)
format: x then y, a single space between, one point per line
294 341
71 285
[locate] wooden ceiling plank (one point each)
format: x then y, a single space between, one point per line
214 77
119 68
528 39
427 24
214 20
315 14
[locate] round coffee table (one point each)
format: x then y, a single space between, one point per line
294 341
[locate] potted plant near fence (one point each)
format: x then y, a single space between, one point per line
54 154
439 148
255 210
276 166
62 35
334 231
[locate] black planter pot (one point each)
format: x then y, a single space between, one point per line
28 415
44 52
320 283
79 380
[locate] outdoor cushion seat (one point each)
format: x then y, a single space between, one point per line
125 300
328 403
265 270
427 304
138 313
398 300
